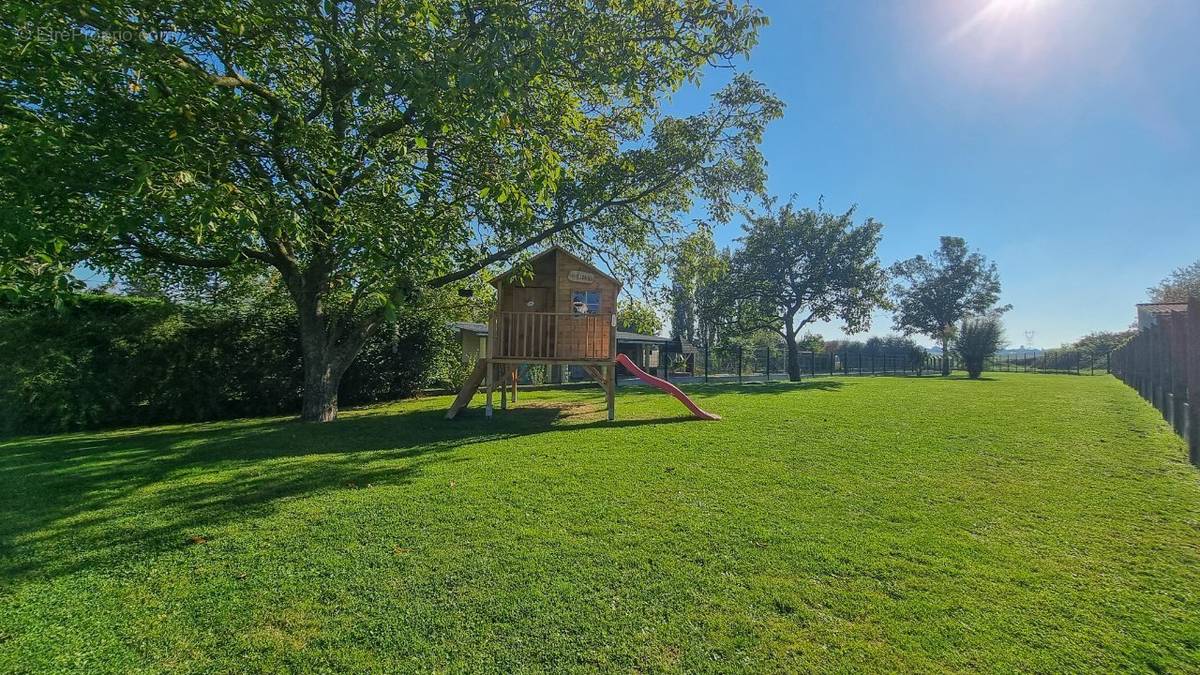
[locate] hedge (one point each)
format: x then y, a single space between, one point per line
110 360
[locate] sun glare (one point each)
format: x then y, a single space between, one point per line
996 14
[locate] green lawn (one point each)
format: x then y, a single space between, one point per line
1032 522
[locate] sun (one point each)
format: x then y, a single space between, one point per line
996 13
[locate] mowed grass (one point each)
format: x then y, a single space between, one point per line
1025 522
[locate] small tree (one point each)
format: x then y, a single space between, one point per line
638 316
812 342
1183 283
797 266
697 271
978 338
934 294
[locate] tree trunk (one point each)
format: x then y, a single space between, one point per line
322 376
945 354
793 358
328 347
326 358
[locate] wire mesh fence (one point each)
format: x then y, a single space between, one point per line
767 364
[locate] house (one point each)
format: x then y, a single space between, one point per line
1148 313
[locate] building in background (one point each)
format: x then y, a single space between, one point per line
1148 313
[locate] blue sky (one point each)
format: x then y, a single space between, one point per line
1061 138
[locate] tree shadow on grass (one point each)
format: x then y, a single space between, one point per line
107 499
87 500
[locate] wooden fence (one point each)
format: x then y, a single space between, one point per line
1162 363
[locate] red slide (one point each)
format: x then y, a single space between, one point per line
665 386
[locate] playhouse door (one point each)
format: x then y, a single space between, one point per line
533 334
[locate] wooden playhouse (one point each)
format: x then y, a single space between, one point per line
557 310
560 311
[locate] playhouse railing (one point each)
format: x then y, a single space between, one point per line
562 336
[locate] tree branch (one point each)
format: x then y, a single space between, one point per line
148 250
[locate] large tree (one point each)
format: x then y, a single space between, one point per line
933 294
1180 285
366 152
797 266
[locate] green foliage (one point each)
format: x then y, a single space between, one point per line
401 359
107 360
1181 284
536 373
933 294
697 272
453 371
638 316
978 339
1032 524
1103 342
367 152
797 266
811 342
892 347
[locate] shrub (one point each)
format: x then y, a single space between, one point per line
978 338
536 373
399 361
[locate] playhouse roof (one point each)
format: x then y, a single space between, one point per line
554 249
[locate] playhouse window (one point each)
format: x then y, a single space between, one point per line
589 298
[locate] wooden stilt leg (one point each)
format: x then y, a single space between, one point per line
503 390
514 385
491 369
611 392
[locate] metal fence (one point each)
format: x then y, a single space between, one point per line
1162 362
1057 361
766 364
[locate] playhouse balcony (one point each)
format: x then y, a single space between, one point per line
552 336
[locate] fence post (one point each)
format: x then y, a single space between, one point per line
706 363
1192 367
740 364
768 363
845 363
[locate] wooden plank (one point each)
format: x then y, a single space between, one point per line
610 391
612 342
491 368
